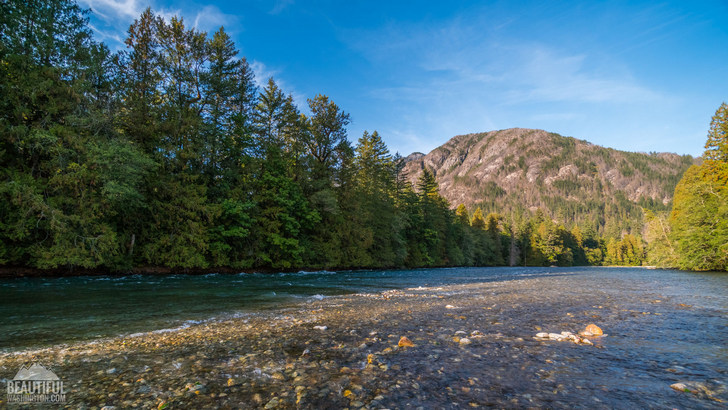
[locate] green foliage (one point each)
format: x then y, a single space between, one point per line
696 237
716 147
660 246
166 154
629 251
699 221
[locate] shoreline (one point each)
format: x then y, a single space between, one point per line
474 346
11 272
27 272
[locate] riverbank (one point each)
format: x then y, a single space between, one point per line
10 272
474 346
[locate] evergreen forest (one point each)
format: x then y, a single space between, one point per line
168 155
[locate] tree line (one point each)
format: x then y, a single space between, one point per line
694 234
167 154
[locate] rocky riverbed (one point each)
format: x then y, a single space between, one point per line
472 345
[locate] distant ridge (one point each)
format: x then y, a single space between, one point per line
574 180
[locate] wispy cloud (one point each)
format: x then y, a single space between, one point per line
515 71
280 5
115 16
545 75
107 35
263 73
111 10
475 73
210 18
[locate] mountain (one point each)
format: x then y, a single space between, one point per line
575 181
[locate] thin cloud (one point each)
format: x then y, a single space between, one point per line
280 5
467 75
111 10
263 73
543 75
106 35
210 18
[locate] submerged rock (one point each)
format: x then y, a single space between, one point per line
701 389
563 336
405 342
592 330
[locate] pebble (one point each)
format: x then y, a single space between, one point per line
273 403
297 367
405 342
563 336
592 330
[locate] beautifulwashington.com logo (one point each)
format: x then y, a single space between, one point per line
35 384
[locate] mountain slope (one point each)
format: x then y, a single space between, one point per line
574 180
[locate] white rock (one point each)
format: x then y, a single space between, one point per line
449 307
679 386
542 335
320 327
465 341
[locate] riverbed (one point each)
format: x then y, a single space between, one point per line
331 340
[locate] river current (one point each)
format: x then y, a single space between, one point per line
663 327
39 312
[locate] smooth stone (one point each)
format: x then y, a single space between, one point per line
272 403
592 330
405 342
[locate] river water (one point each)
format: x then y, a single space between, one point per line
40 312
663 326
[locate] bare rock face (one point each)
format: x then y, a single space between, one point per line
528 168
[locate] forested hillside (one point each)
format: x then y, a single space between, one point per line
574 181
167 156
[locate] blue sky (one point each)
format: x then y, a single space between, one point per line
639 76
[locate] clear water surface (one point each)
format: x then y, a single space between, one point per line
39 312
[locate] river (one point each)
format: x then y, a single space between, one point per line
663 326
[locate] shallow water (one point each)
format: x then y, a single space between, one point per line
663 327
46 311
